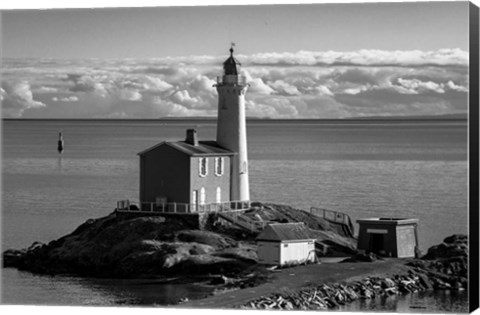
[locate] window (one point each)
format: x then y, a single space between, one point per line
219 166
219 195
203 167
243 169
202 196
194 200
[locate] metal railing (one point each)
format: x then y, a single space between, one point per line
334 216
330 215
177 207
232 79
244 222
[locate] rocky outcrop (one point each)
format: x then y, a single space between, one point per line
452 246
125 246
446 264
146 246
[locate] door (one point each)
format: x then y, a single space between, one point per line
377 245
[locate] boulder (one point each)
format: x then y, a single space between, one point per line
453 246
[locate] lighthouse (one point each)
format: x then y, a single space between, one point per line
194 175
231 124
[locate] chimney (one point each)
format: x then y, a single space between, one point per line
191 137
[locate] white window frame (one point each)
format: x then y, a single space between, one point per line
219 195
222 166
195 200
202 172
203 196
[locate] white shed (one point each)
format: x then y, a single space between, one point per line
285 243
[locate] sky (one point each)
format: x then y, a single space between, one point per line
302 61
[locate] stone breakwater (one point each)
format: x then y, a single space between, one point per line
333 295
444 267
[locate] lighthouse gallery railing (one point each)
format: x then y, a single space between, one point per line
232 79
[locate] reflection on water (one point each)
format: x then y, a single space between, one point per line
60 164
29 289
420 302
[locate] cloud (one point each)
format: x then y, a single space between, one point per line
46 89
86 84
282 85
16 98
364 57
72 98
129 95
183 97
284 88
156 84
452 86
257 86
416 86
322 91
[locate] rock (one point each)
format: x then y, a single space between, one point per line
387 283
12 257
456 238
453 246
221 280
391 291
425 282
122 247
367 294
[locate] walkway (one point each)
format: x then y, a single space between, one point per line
295 278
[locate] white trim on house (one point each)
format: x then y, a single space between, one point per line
219 195
203 167
219 166
202 196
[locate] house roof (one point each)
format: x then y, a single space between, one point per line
285 232
204 148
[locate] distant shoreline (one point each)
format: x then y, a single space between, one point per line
262 120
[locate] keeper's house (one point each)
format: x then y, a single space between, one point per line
391 237
285 243
184 176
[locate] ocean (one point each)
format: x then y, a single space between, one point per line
365 168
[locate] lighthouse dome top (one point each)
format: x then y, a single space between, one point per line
231 66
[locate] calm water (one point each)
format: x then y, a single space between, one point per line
408 169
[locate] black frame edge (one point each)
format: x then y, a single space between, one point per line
473 286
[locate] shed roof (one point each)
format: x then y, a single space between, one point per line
285 232
387 221
204 148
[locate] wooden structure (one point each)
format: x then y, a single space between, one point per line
391 237
285 243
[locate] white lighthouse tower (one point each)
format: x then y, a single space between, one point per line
231 125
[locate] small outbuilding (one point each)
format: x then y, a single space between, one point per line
391 237
285 243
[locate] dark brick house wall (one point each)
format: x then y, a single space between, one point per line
165 172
